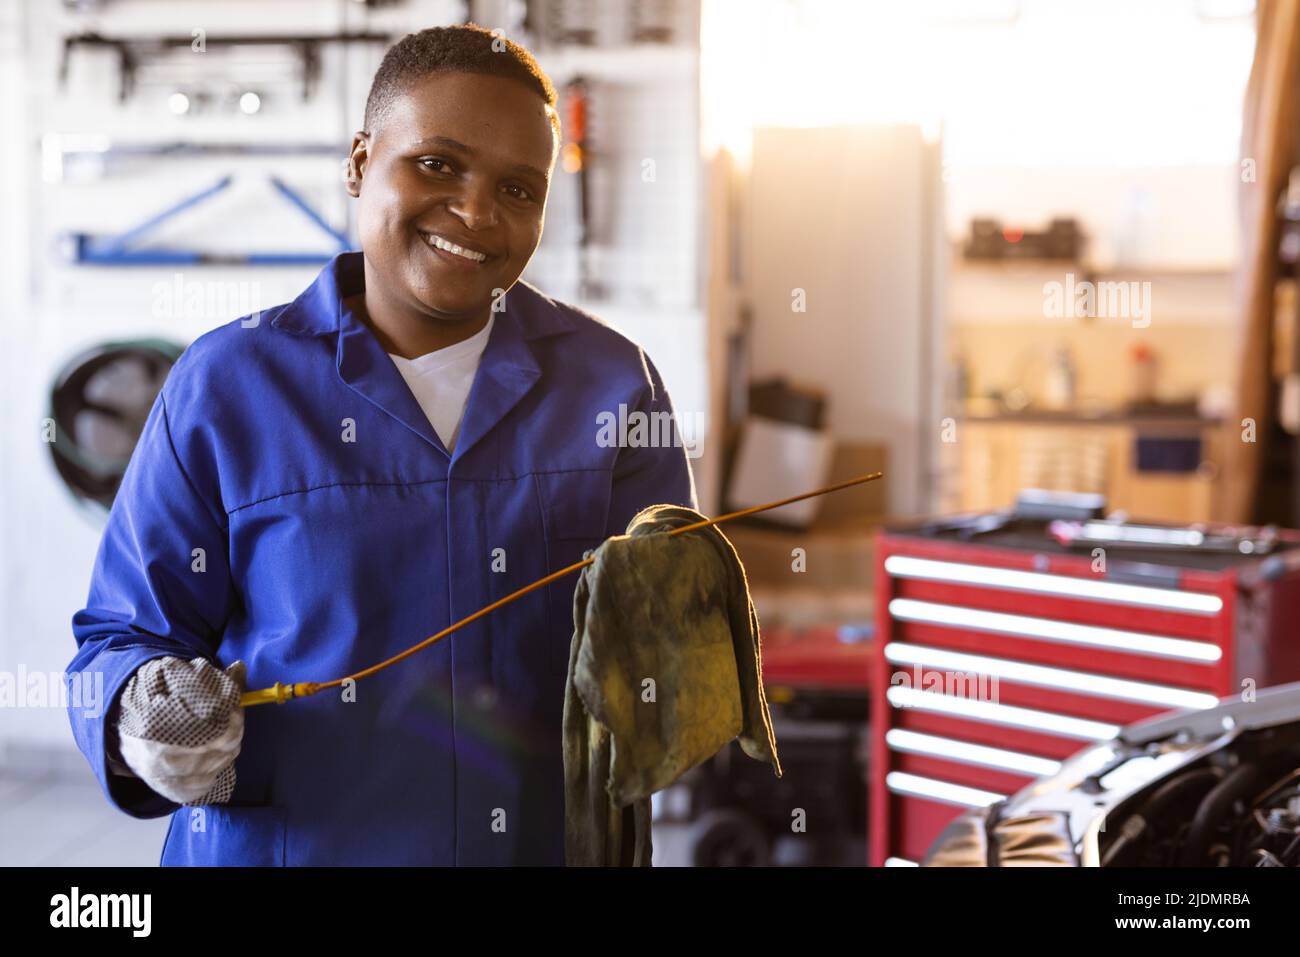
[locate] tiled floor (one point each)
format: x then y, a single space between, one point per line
64 820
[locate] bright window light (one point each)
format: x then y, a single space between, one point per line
1082 83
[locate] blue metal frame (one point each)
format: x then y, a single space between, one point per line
116 251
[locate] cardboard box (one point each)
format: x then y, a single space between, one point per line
814 559
862 506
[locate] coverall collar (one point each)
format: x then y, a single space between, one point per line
507 370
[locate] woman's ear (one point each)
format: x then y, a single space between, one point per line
354 168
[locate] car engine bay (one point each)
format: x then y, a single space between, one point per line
1236 807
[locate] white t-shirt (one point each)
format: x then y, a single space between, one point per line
440 381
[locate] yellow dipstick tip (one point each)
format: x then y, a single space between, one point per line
279 693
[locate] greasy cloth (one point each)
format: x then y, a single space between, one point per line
665 669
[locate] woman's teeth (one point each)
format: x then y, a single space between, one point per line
439 243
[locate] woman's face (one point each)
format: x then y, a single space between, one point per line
465 158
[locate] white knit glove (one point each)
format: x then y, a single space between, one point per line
180 726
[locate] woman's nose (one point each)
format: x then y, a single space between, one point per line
476 207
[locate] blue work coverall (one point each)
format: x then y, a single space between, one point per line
289 504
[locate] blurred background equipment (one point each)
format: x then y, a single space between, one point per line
1262 474
149 53
122 249
989 239
98 406
721 815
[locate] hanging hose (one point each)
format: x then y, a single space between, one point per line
1240 782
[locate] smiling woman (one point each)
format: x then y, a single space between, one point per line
411 439
451 173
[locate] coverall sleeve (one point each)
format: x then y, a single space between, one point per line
152 595
651 474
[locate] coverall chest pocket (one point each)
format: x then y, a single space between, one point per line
575 506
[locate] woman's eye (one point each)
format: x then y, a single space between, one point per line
434 164
518 192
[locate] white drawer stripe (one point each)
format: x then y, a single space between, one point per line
1041 676
989 712
1046 629
931 745
1197 603
900 782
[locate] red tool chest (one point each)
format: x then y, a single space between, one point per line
999 656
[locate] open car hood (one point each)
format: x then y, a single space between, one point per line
1061 820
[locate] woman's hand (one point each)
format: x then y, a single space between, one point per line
180 726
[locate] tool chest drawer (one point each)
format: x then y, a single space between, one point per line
998 658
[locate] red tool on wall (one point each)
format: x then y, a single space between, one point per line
575 158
